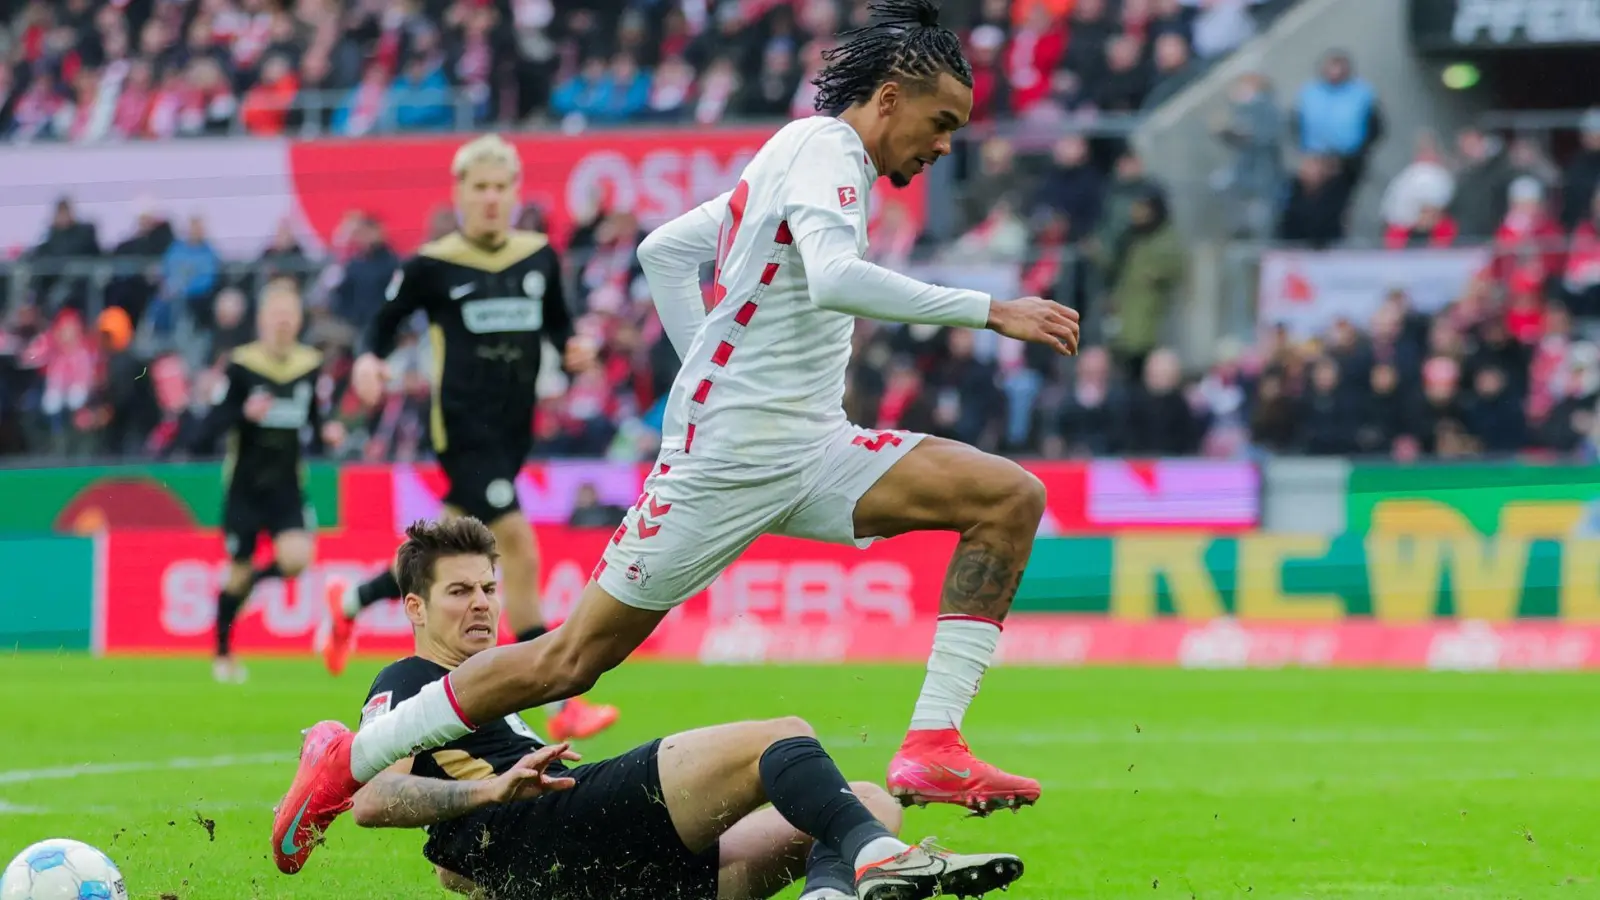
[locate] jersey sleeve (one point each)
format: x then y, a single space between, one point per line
670 257
825 188
407 293
558 325
397 682
227 408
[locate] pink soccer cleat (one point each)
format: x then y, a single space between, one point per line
938 767
321 790
580 719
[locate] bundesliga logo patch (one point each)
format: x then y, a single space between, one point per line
847 197
377 706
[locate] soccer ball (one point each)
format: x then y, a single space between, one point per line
61 869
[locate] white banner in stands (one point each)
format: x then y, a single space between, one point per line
1307 291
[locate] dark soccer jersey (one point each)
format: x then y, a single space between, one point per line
488 313
492 749
265 457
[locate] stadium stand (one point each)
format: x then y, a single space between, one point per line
1044 189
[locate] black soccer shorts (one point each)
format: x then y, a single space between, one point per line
245 518
608 838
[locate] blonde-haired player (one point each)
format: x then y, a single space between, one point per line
493 295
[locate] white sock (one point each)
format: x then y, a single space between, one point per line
427 720
827 894
554 707
963 647
351 601
880 849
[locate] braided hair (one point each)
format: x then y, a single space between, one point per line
905 42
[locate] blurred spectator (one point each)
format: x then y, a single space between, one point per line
1222 26
1073 187
1174 69
367 273
1529 239
1253 128
1385 413
1124 82
1330 415
420 98
1145 271
1430 228
1160 420
265 109
1036 49
1582 276
1129 184
1337 115
1581 179
996 176
1314 213
1425 182
1088 421
1494 417
1479 203
189 273
589 512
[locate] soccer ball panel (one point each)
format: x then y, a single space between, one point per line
61 869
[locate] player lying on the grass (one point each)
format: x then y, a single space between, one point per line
267 408
757 441
493 295
680 817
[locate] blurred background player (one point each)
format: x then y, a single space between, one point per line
268 408
683 816
492 295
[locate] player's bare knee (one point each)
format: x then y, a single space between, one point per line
238 578
883 806
1019 502
789 727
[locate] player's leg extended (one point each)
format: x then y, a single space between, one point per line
235 591
996 506
762 853
713 778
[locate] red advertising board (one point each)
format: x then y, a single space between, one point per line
1103 496
657 174
161 589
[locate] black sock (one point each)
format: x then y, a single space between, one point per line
804 785
227 610
379 588
827 869
528 634
271 570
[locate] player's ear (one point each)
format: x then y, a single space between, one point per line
888 98
416 609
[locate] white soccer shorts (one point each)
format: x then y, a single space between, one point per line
697 515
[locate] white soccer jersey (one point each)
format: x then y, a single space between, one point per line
765 375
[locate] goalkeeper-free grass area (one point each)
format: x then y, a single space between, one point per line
1158 783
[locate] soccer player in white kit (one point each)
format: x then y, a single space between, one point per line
757 442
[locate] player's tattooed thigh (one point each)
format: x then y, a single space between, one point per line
982 579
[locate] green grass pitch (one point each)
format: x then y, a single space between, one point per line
1158 784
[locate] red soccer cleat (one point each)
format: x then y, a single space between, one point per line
938 767
321 790
580 719
337 637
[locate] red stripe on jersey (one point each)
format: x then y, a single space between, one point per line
700 394
745 313
724 351
770 272
688 438
784 235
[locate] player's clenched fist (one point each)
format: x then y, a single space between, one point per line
368 378
1038 321
528 778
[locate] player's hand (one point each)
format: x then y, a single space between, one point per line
580 354
1038 321
333 433
368 378
528 778
257 406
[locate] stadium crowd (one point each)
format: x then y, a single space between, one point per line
125 365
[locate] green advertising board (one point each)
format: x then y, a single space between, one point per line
1510 500
1295 578
81 499
48 601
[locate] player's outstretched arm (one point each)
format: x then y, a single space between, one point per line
671 257
398 799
